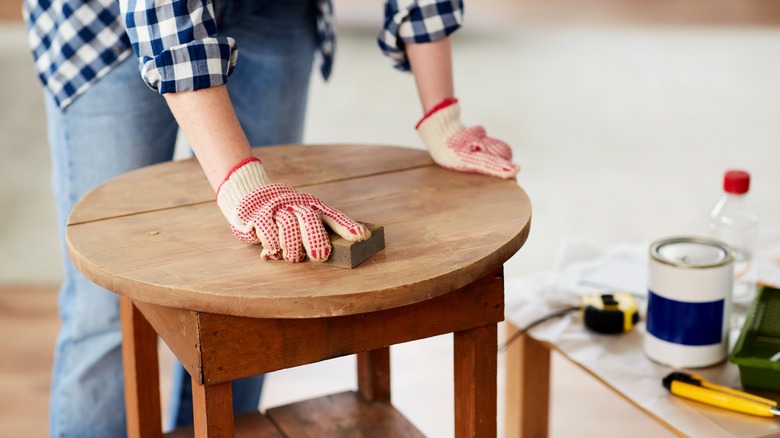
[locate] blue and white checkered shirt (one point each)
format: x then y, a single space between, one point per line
417 21
76 42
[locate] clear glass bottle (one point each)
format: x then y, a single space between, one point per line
734 221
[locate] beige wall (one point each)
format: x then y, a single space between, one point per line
678 12
758 12
10 10
674 12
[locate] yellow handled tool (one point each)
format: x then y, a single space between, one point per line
693 387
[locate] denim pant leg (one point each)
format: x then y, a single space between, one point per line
268 89
117 126
270 85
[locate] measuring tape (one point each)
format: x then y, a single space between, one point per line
609 313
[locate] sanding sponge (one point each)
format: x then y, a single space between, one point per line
348 254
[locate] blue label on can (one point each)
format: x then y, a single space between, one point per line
685 323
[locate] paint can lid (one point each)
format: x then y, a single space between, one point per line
691 252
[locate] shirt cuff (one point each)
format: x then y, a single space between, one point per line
417 21
202 63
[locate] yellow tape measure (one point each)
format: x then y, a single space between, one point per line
610 313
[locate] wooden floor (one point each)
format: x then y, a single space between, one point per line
28 332
28 329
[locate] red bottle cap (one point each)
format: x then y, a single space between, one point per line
736 182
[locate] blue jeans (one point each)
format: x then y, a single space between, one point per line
119 125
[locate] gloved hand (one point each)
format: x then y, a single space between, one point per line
284 221
453 146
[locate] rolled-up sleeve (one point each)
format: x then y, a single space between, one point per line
417 21
176 44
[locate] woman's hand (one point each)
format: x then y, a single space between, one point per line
453 146
287 223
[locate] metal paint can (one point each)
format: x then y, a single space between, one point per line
689 301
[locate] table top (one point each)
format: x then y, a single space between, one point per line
156 234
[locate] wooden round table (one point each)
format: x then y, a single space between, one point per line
156 237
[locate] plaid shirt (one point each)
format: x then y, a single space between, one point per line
76 42
417 21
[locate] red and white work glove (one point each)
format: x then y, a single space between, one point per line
453 146
283 220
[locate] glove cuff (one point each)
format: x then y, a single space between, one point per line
441 105
441 124
246 177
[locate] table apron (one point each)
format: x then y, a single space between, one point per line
221 348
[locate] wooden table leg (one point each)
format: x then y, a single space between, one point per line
212 407
476 364
527 387
141 369
374 374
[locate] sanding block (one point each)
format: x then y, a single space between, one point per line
348 254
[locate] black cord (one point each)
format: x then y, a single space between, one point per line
525 329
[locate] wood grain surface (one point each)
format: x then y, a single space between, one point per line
141 369
342 415
249 425
157 236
